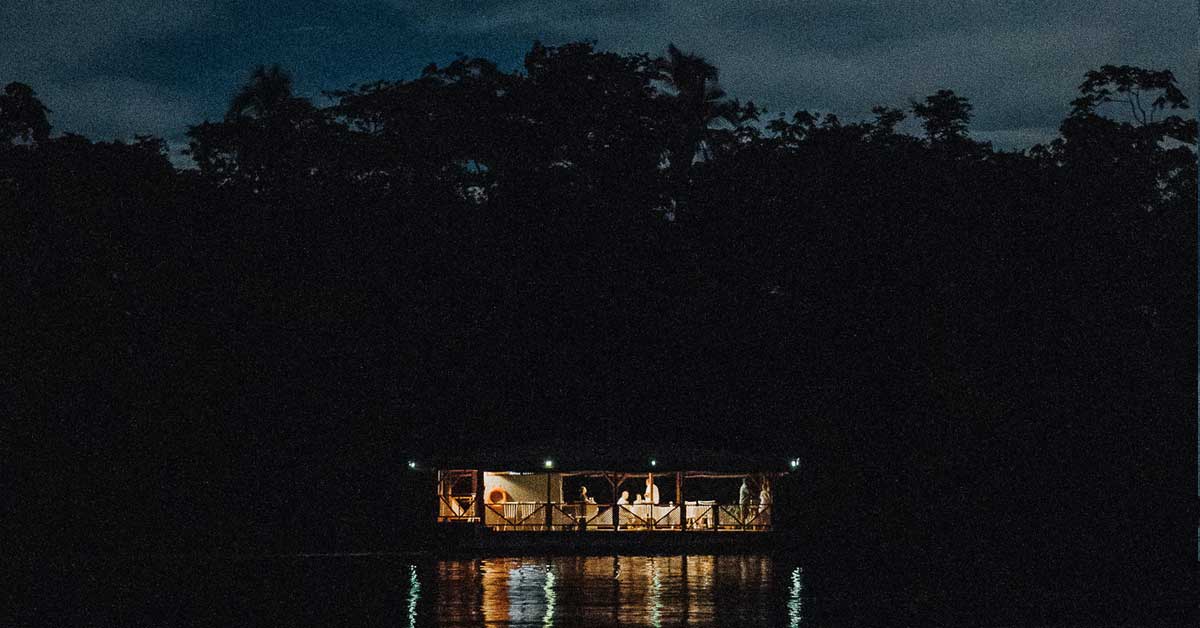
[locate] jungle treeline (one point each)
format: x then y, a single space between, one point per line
601 252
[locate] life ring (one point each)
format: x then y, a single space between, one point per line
497 496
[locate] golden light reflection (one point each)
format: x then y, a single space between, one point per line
655 596
616 591
495 591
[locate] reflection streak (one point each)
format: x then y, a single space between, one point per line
548 591
795 601
655 596
626 591
414 594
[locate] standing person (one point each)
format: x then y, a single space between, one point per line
651 494
764 496
744 497
581 511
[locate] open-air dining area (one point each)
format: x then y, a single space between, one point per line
608 501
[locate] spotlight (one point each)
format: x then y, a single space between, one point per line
653 462
549 464
412 464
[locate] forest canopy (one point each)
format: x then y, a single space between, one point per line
601 242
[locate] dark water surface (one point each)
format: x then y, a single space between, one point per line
565 591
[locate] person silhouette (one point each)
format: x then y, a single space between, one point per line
651 494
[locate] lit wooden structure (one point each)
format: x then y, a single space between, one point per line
535 500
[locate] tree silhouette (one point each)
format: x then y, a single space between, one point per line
269 91
1127 85
22 115
944 116
270 142
698 102
1147 160
971 347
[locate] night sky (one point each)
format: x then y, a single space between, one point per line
115 68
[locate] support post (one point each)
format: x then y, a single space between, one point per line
613 500
616 510
441 496
679 500
649 498
477 488
549 514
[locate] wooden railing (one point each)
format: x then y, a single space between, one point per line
666 517
531 516
516 516
761 520
602 518
457 508
744 517
701 515
566 516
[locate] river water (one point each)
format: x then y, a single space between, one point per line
611 591
564 591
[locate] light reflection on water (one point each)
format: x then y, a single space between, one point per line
570 591
611 591
796 599
414 595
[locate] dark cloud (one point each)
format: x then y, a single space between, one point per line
54 46
115 67
118 107
54 36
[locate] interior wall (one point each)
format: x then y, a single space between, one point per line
524 488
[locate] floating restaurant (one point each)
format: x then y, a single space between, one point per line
709 495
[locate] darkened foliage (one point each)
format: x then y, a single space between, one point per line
968 347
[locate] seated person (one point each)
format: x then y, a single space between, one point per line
624 499
638 499
583 496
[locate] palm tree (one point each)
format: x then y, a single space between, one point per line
268 91
700 101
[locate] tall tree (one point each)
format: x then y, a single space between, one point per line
594 120
270 138
1138 148
268 91
944 116
698 101
22 115
447 127
1145 92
